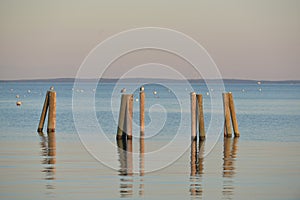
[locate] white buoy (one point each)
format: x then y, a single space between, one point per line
258 82
28 91
17 96
136 99
243 90
154 92
259 89
207 93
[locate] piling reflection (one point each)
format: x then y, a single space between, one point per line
44 151
197 169
229 157
125 172
142 166
48 153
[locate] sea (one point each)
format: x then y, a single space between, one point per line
83 160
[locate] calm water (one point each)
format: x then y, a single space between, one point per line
263 163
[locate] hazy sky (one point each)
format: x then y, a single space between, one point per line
248 39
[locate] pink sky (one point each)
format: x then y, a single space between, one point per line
247 39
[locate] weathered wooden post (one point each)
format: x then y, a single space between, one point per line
50 107
121 122
200 117
125 117
51 111
43 115
227 125
142 112
233 116
129 114
193 116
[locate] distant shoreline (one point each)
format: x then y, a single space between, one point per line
130 80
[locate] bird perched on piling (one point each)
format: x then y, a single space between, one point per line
123 90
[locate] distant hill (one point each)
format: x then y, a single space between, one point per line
133 80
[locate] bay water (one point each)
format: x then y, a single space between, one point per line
264 163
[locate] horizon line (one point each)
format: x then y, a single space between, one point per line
161 79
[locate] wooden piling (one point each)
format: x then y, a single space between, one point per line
142 112
200 117
43 115
233 116
193 116
121 123
129 116
125 117
227 128
51 111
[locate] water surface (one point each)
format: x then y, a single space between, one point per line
263 163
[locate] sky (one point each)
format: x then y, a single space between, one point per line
257 39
